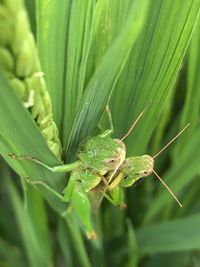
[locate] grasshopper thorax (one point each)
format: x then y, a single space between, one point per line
102 154
134 168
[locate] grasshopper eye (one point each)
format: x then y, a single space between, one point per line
143 173
110 161
146 173
125 177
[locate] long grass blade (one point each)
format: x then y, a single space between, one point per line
152 69
178 235
20 135
102 82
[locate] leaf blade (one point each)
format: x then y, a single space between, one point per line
104 79
177 235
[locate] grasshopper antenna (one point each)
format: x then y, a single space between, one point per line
135 122
175 137
167 187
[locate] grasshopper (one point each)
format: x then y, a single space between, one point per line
102 167
130 172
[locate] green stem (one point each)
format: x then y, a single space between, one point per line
77 239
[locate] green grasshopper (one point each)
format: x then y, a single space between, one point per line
131 171
101 166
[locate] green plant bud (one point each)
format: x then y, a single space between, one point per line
35 58
13 6
20 63
29 100
47 102
25 62
6 25
6 60
33 83
48 132
19 87
21 31
38 111
7 31
4 11
54 148
9 75
45 122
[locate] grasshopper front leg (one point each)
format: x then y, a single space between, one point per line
59 168
110 121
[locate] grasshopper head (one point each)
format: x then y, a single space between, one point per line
135 168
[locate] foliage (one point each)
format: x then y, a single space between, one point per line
130 54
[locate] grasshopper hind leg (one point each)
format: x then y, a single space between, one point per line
82 207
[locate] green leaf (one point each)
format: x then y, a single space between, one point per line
172 259
20 135
177 235
77 238
152 69
11 255
27 227
37 217
78 48
64 243
132 246
178 176
52 31
30 5
190 112
102 82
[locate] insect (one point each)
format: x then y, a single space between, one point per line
131 171
102 167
